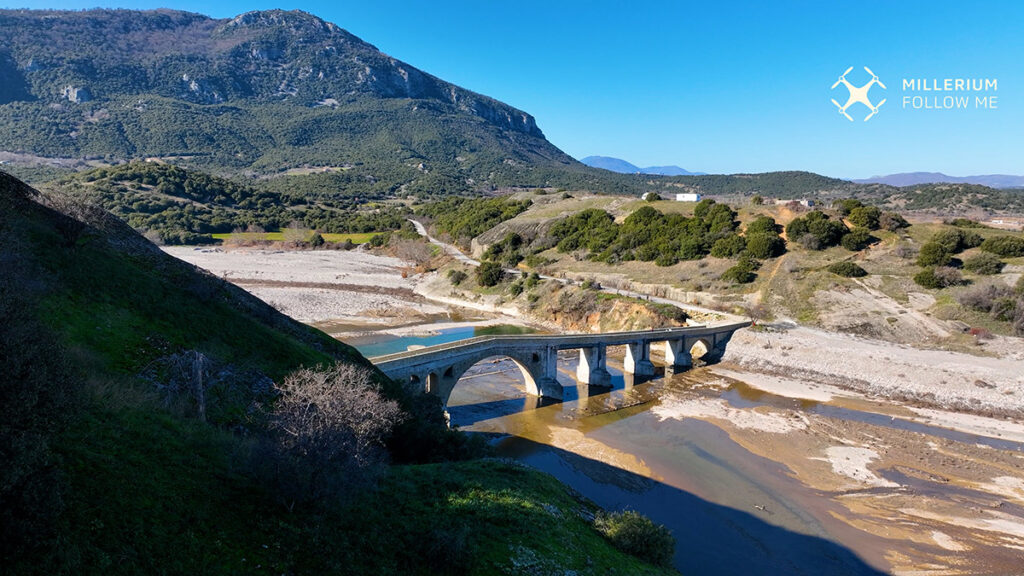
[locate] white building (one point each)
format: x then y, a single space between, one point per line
687 197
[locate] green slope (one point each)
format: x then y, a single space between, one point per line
101 472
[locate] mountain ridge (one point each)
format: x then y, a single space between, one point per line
625 167
914 178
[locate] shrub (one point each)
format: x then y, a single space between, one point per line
847 270
728 247
939 277
316 241
983 263
757 200
456 276
742 272
763 225
965 223
1005 246
1019 286
846 206
329 427
666 260
489 274
827 232
378 240
892 221
866 217
983 298
809 241
763 246
933 254
956 241
515 289
636 534
857 239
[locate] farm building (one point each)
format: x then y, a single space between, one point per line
687 197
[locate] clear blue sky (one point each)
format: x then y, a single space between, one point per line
713 86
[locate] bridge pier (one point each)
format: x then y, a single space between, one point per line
677 356
592 368
638 359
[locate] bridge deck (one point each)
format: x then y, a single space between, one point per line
566 341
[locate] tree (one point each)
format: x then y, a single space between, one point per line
763 225
1005 246
847 270
729 246
763 246
857 239
865 217
892 221
489 274
983 263
933 254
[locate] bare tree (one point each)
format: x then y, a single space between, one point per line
329 426
296 233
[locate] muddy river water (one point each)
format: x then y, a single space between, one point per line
750 481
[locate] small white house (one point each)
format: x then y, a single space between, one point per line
687 197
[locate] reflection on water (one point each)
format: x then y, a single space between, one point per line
732 512
381 344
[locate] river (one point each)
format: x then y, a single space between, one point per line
734 480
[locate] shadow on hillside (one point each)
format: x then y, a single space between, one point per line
710 538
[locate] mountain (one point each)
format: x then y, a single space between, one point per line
624 167
260 93
913 178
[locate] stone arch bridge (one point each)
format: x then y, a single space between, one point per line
438 368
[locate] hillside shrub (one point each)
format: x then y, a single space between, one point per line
984 263
456 276
742 272
1005 246
865 217
763 246
489 274
763 225
956 241
983 298
636 534
827 232
939 277
933 254
857 239
729 246
847 270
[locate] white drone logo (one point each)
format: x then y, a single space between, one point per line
858 94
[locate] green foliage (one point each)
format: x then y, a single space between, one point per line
456 276
858 239
847 270
956 241
956 197
865 217
983 263
763 225
1019 286
757 200
507 251
965 223
1005 246
939 277
825 231
466 218
636 534
489 274
728 247
846 206
743 272
765 245
647 234
515 289
933 254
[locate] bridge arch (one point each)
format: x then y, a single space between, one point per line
537 380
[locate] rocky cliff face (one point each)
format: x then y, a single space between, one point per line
258 56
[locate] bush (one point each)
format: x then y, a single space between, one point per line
763 246
742 272
965 223
636 534
956 241
983 298
865 217
728 247
1005 246
515 289
1019 286
847 270
329 427
939 277
933 254
984 263
846 206
763 225
892 221
857 239
456 276
827 232
757 200
489 274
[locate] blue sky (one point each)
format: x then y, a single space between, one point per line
713 86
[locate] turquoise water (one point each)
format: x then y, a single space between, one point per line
379 345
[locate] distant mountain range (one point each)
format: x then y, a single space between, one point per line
623 167
915 178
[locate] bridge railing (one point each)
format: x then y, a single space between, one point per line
565 341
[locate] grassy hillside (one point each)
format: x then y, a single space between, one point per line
109 467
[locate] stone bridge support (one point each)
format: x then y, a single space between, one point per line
638 359
677 356
593 366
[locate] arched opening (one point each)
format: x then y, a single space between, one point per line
432 383
697 352
450 372
491 387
